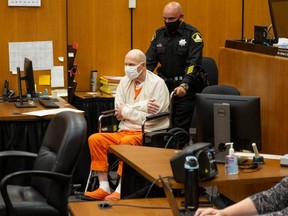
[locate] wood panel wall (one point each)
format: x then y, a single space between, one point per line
103 29
25 24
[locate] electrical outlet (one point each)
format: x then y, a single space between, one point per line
24 3
132 3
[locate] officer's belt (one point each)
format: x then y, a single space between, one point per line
177 78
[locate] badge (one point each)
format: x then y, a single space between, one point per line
197 37
182 42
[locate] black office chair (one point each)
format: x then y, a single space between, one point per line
49 186
210 67
221 89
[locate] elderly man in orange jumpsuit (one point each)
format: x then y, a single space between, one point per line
140 93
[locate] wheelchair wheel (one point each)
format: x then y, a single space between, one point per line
179 140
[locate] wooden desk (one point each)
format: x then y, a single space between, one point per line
9 112
151 162
91 208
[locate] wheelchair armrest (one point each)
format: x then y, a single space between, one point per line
152 117
158 115
108 112
104 114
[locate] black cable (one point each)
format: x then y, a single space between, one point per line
139 206
131 28
168 177
249 167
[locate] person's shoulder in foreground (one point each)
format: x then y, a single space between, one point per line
273 201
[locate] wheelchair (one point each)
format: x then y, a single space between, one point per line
175 138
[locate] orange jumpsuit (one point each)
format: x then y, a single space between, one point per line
99 145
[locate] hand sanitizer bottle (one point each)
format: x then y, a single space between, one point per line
231 163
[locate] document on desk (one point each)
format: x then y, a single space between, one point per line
51 111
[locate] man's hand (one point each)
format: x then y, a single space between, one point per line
152 107
118 112
180 91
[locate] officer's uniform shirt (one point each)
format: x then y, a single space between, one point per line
177 53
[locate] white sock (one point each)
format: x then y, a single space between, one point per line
105 186
118 189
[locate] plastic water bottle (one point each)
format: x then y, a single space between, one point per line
45 92
30 99
191 183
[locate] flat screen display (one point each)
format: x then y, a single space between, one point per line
279 18
245 119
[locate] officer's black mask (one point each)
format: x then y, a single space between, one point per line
172 26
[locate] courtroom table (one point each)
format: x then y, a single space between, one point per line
151 162
125 207
92 103
19 131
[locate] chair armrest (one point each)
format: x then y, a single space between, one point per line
17 154
61 178
152 117
158 115
108 112
104 114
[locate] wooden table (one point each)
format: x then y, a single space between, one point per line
9 112
151 162
119 208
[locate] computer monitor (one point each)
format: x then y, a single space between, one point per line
279 17
30 85
244 119
29 77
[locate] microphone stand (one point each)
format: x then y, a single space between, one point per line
242 20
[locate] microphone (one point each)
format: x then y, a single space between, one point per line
257 158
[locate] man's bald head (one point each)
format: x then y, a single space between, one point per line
135 57
173 9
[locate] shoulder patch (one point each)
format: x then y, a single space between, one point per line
197 37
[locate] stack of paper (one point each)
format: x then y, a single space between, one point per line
109 84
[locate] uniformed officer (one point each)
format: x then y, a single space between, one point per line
178 48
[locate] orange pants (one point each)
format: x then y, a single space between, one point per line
99 144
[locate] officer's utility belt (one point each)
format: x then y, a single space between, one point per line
177 78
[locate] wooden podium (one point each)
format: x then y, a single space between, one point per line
262 75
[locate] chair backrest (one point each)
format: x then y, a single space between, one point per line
214 89
210 67
221 89
60 151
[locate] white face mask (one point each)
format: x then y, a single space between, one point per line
131 72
